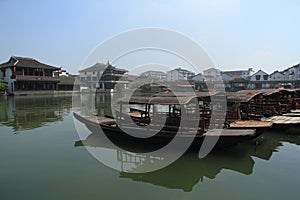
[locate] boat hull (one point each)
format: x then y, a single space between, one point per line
123 140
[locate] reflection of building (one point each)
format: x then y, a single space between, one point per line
28 74
23 113
179 74
102 77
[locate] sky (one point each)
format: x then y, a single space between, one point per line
235 34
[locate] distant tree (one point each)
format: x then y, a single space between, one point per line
3 86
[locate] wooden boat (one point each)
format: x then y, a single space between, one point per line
245 105
276 102
295 99
143 113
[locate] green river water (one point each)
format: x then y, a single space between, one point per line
40 159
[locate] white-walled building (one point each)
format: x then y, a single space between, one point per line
292 73
259 80
239 73
212 72
27 74
212 75
155 75
227 77
259 76
103 77
277 76
179 74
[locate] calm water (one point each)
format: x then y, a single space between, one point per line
41 157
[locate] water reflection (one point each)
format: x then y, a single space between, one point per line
189 169
25 113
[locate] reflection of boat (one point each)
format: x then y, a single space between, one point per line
193 169
186 117
189 170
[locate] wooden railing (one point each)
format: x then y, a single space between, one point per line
36 78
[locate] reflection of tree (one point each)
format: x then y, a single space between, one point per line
189 169
24 113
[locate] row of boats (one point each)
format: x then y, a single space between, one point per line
228 118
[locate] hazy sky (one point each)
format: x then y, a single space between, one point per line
236 34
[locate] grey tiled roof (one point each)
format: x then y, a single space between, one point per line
26 62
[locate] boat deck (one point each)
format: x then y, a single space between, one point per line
250 124
295 111
230 132
100 120
292 114
284 120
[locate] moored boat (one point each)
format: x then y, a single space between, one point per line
186 118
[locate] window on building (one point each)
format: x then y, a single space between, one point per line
265 77
257 77
19 71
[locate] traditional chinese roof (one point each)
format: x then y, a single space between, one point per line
101 67
15 61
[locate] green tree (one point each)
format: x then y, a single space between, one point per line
3 86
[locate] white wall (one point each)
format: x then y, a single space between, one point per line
212 72
277 77
10 82
172 75
261 78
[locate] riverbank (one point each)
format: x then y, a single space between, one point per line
44 92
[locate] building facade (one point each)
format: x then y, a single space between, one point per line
102 77
154 75
179 74
25 74
239 73
277 76
259 80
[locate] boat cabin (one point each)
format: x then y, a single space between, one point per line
188 110
245 105
276 102
295 98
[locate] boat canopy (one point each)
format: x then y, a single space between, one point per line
272 92
158 100
170 98
243 95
